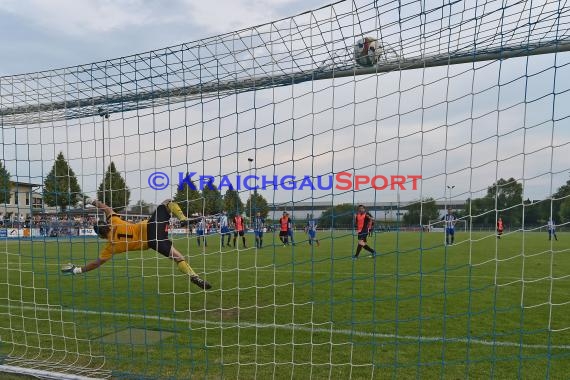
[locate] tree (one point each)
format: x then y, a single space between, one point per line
213 202
113 190
421 212
504 195
257 203
560 201
232 202
60 186
5 184
141 208
339 216
532 212
189 198
564 212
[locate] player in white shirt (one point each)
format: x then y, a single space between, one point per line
449 220
201 231
311 230
225 228
552 230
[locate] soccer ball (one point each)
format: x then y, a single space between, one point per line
367 51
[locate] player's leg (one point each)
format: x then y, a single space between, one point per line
361 243
242 234
222 239
452 233
313 238
260 239
291 236
362 237
160 243
235 238
184 267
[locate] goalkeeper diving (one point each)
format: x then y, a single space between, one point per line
125 236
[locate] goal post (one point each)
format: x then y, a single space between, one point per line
247 173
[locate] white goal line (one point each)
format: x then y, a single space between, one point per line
294 327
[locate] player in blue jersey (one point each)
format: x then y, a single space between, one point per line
552 229
449 220
201 231
290 229
224 228
311 230
258 226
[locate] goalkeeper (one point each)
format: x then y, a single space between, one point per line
125 236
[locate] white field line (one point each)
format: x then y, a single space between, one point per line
265 268
302 328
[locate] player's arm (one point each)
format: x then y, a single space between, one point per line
105 256
101 206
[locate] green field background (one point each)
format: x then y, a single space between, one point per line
480 308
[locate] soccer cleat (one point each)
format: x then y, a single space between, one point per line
355 257
200 283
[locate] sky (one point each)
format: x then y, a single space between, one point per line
60 33
464 125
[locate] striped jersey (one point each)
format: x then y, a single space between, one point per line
258 224
449 220
312 225
551 225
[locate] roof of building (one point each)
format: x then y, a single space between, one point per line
28 184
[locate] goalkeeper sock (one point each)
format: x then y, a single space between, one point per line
185 268
177 211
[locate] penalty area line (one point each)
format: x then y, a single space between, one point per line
301 328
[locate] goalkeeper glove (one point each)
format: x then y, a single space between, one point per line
70 269
84 202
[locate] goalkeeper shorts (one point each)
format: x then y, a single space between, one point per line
157 231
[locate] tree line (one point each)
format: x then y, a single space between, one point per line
61 189
504 195
504 198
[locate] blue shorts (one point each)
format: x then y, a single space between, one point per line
225 230
200 232
450 231
312 234
258 234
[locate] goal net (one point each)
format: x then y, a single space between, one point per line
268 139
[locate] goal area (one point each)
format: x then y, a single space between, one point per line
269 139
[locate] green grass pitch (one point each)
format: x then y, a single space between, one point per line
480 308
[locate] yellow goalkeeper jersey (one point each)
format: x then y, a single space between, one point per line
124 236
